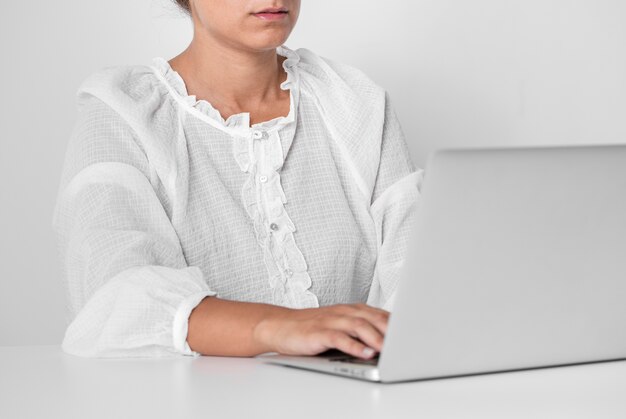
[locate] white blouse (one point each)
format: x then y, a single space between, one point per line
162 202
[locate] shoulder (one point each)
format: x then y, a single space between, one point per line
335 74
133 96
353 108
105 127
323 65
123 88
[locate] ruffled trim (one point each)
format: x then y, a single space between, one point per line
264 202
178 88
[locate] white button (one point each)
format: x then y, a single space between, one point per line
257 135
263 178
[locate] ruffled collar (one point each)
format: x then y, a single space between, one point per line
241 121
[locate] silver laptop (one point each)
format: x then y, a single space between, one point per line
517 260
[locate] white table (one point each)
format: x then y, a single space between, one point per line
43 382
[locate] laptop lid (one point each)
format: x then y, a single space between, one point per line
517 260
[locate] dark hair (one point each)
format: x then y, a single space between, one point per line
184 4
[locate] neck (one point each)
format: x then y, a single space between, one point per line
230 76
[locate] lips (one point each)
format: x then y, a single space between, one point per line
273 10
273 14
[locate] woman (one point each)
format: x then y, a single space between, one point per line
240 198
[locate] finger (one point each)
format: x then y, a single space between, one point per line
372 308
340 340
360 328
379 319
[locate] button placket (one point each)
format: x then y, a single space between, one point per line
281 254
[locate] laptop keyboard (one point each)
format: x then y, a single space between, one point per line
355 360
334 355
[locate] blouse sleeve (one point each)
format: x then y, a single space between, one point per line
394 202
129 289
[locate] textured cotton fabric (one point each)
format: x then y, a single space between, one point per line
162 202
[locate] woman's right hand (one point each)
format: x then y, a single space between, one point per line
356 329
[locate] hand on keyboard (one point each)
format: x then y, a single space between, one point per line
355 329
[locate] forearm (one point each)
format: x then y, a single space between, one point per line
227 328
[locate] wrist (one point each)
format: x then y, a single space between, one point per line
267 330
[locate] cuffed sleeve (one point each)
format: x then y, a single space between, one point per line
181 320
129 288
394 203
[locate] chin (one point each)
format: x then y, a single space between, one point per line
265 43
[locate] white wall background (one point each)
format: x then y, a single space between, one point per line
461 73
